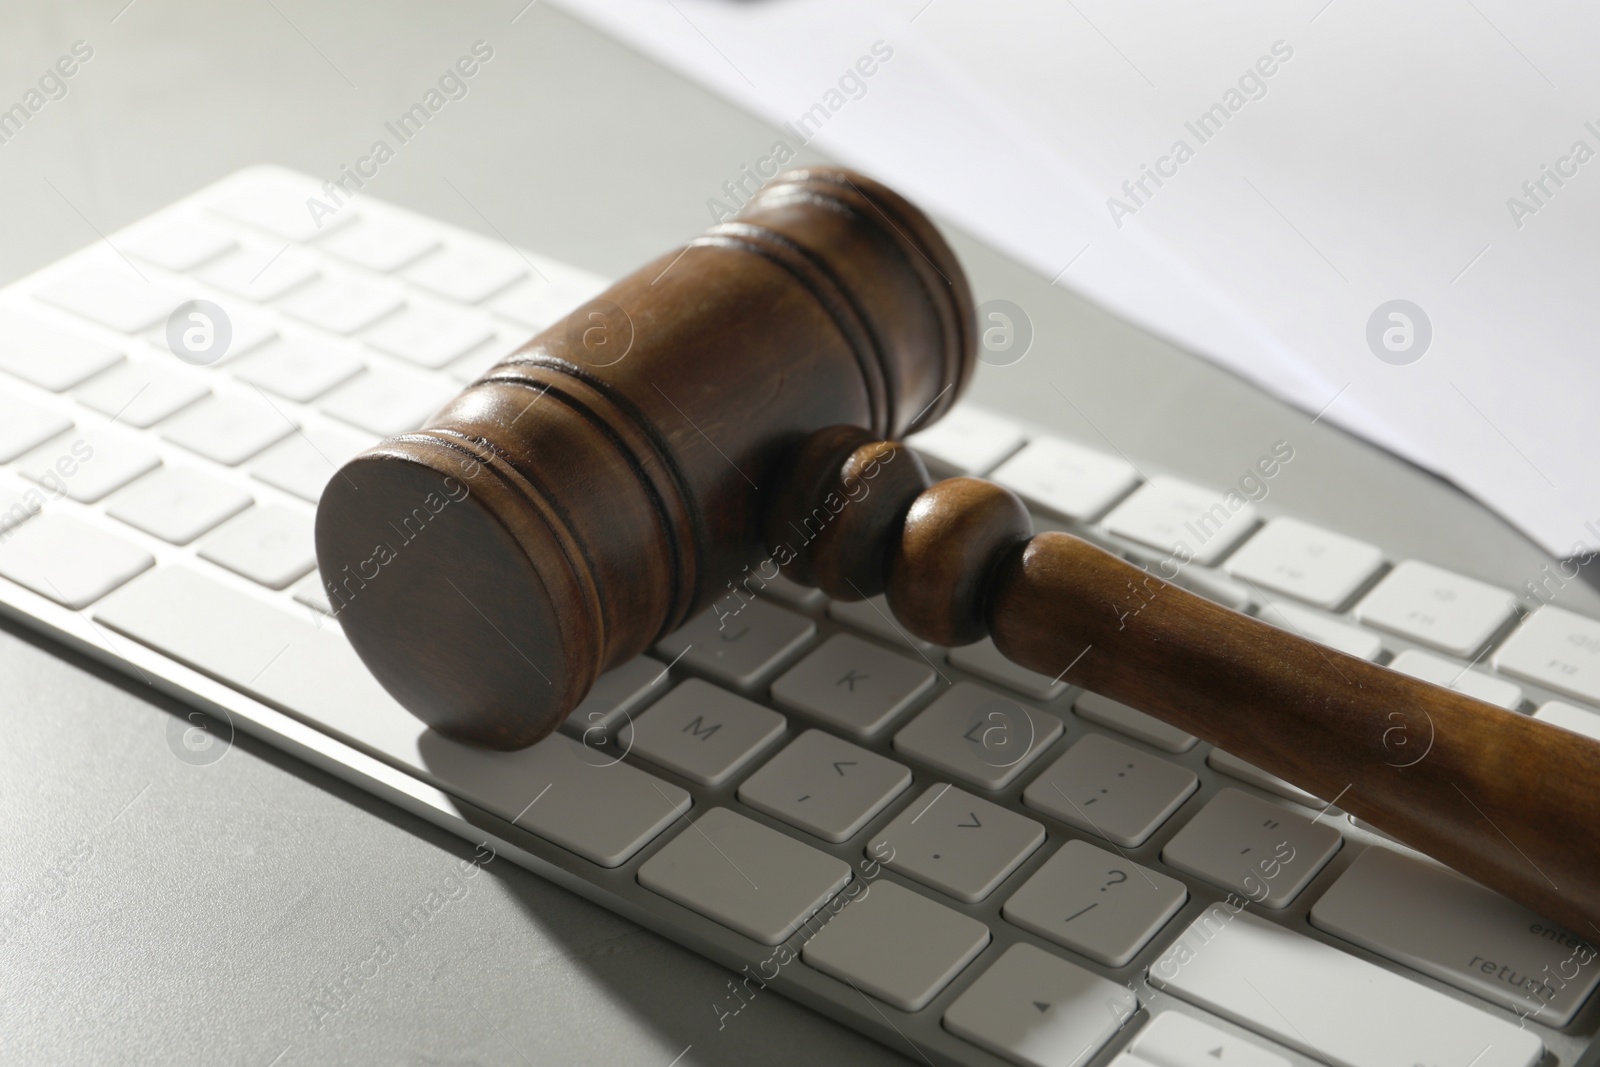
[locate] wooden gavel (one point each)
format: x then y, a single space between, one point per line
615 475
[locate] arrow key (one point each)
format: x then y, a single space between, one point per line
825 786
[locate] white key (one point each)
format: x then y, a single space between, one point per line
18 503
1424 916
852 685
1038 1010
1351 640
69 561
985 660
1066 479
746 876
1249 773
429 337
24 426
1172 1039
48 356
262 273
387 402
1166 513
739 650
249 332
309 591
183 245
476 363
536 303
302 463
1436 607
793 593
1555 648
968 440
957 843
343 305
1111 790
228 430
617 695
897 945
1096 902
86 464
380 246
1133 722
140 394
1256 849
467 274
281 211
270 544
1209 584
873 616
1305 561
298 370
1281 984
978 736
1578 720
704 733
112 297
825 786
177 504
1473 683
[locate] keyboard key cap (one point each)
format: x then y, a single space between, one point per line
467 274
343 305
309 591
968 440
228 430
1446 611
825 786
1212 585
86 464
1557 649
1256 849
1112 790
1166 512
897 945
476 363
1305 561
978 736
873 616
1474 683
1066 479
112 297
746 876
957 843
381 246
69 561
745 648
18 503
177 504
302 463
24 426
387 402
270 544
1351 640
428 337
793 593
281 211
1096 903
183 245
1578 720
985 660
536 303
1249 773
262 274
1429 918
298 370
48 356
1172 1039
704 733
852 685
1281 984
1132 722
616 696
1038 1010
140 394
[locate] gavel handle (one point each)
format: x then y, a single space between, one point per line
1502 798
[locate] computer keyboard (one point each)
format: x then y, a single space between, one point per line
970 862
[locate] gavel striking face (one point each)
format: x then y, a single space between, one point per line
732 405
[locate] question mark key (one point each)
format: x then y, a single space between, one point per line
1092 901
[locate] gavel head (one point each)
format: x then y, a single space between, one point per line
609 480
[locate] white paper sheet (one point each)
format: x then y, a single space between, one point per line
1356 153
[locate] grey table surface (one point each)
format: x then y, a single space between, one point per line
153 911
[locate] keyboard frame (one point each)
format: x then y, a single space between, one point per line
920 1035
